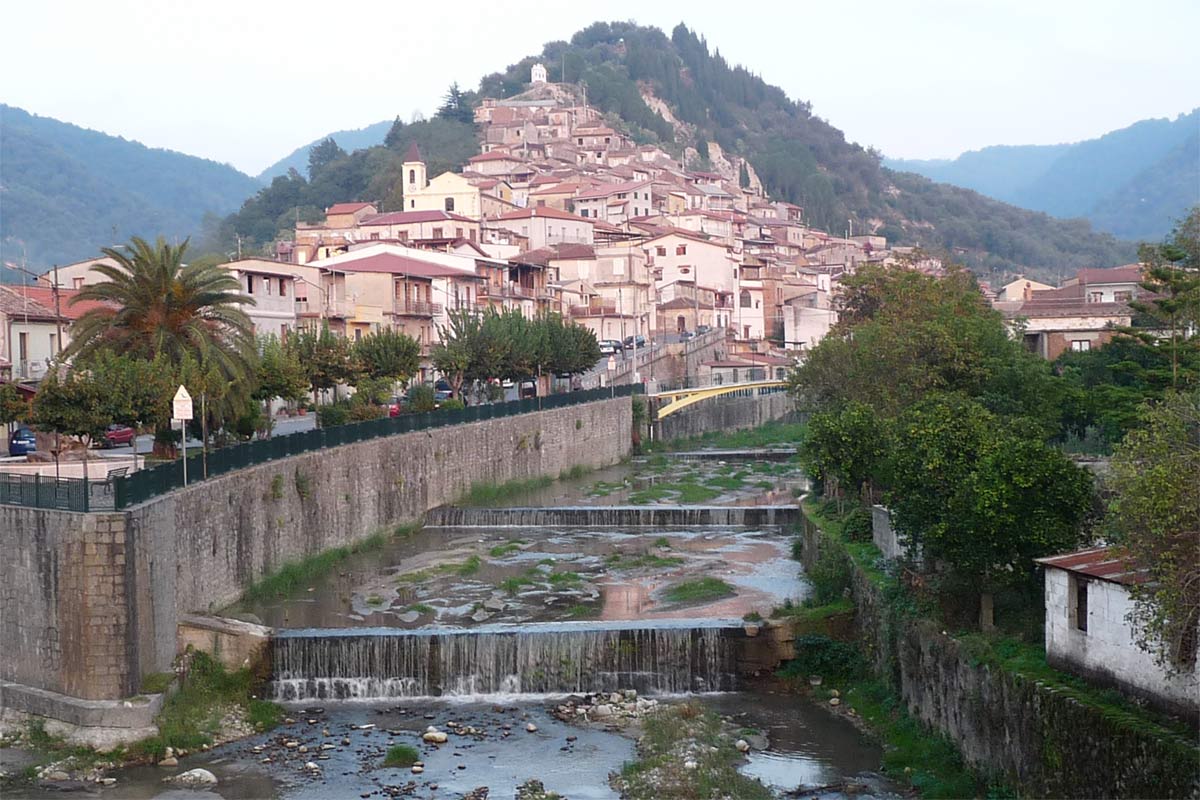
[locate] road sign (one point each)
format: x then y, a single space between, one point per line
612 363
182 404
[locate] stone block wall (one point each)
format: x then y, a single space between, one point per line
91 602
64 624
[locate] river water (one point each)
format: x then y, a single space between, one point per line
482 629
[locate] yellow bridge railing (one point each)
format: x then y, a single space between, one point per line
682 398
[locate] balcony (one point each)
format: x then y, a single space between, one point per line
416 308
509 289
593 310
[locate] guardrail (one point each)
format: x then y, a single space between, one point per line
77 494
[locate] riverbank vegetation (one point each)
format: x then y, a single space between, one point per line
684 752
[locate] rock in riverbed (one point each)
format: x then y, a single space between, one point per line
193 779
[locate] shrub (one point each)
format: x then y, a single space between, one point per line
830 576
360 412
817 654
333 415
401 755
421 398
452 404
857 525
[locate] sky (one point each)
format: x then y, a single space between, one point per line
247 82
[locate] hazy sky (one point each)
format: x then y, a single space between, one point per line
246 82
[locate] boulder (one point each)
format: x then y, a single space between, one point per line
193 778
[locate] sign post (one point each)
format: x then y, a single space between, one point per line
612 367
181 409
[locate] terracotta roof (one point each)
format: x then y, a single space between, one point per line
17 301
728 364
414 217
493 156
1105 563
45 296
398 265
345 208
1130 273
607 189
413 153
562 252
541 211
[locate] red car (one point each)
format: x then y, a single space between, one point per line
118 435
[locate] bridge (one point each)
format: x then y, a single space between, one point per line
667 403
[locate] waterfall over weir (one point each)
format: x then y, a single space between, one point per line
566 658
617 517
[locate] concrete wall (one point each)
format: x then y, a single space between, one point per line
1039 737
91 602
884 535
724 413
1106 652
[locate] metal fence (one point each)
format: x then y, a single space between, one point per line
64 494
78 494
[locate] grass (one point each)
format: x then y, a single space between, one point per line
515 584
157 682
698 590
643 560
658 771
421 608
574 473
190 717
559 579
401 755
488 494
807 613
662 541
583 611
694 492
375 600
470 566
649 494
781 434
501 550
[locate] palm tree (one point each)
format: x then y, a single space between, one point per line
153 304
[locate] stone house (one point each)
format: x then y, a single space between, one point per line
1088 631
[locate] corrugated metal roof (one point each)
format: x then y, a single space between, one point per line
1105 563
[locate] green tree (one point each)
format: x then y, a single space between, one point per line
572 348
457 350
152 304
388 354
847 446
1155 517
325 358
279 372
76 403
13 407
1172 276
456 105
984 498
322 154
744 176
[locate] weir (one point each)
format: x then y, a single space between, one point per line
564 658
616 517
753 454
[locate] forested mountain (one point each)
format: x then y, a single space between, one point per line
350 140
1134 182
798 156
67 191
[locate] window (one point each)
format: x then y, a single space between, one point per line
681 249
358 334
458 233
449 204
23 345
660 250
412 176
1081 345
374 235
78 283
1079 601
412 203
1123 297
744 299
437 233
267 286
581 141
745 335
583 212
249 284
541 204
1096 297
53 343
607 139
283 287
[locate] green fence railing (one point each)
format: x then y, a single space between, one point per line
64 494
147 483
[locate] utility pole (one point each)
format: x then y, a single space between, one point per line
58 316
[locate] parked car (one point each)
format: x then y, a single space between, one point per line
22 442
118 435
609 347
635 341
528 390
442 390
394 404
685 335
703 329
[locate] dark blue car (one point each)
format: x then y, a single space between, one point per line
22 442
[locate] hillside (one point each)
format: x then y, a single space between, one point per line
797 155
67 191
1130 182
349 140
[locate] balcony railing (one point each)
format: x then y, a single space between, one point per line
417 308
594 310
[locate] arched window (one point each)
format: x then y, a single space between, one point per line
449 203
744 299
412 176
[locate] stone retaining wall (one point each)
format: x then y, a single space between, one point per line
91 602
